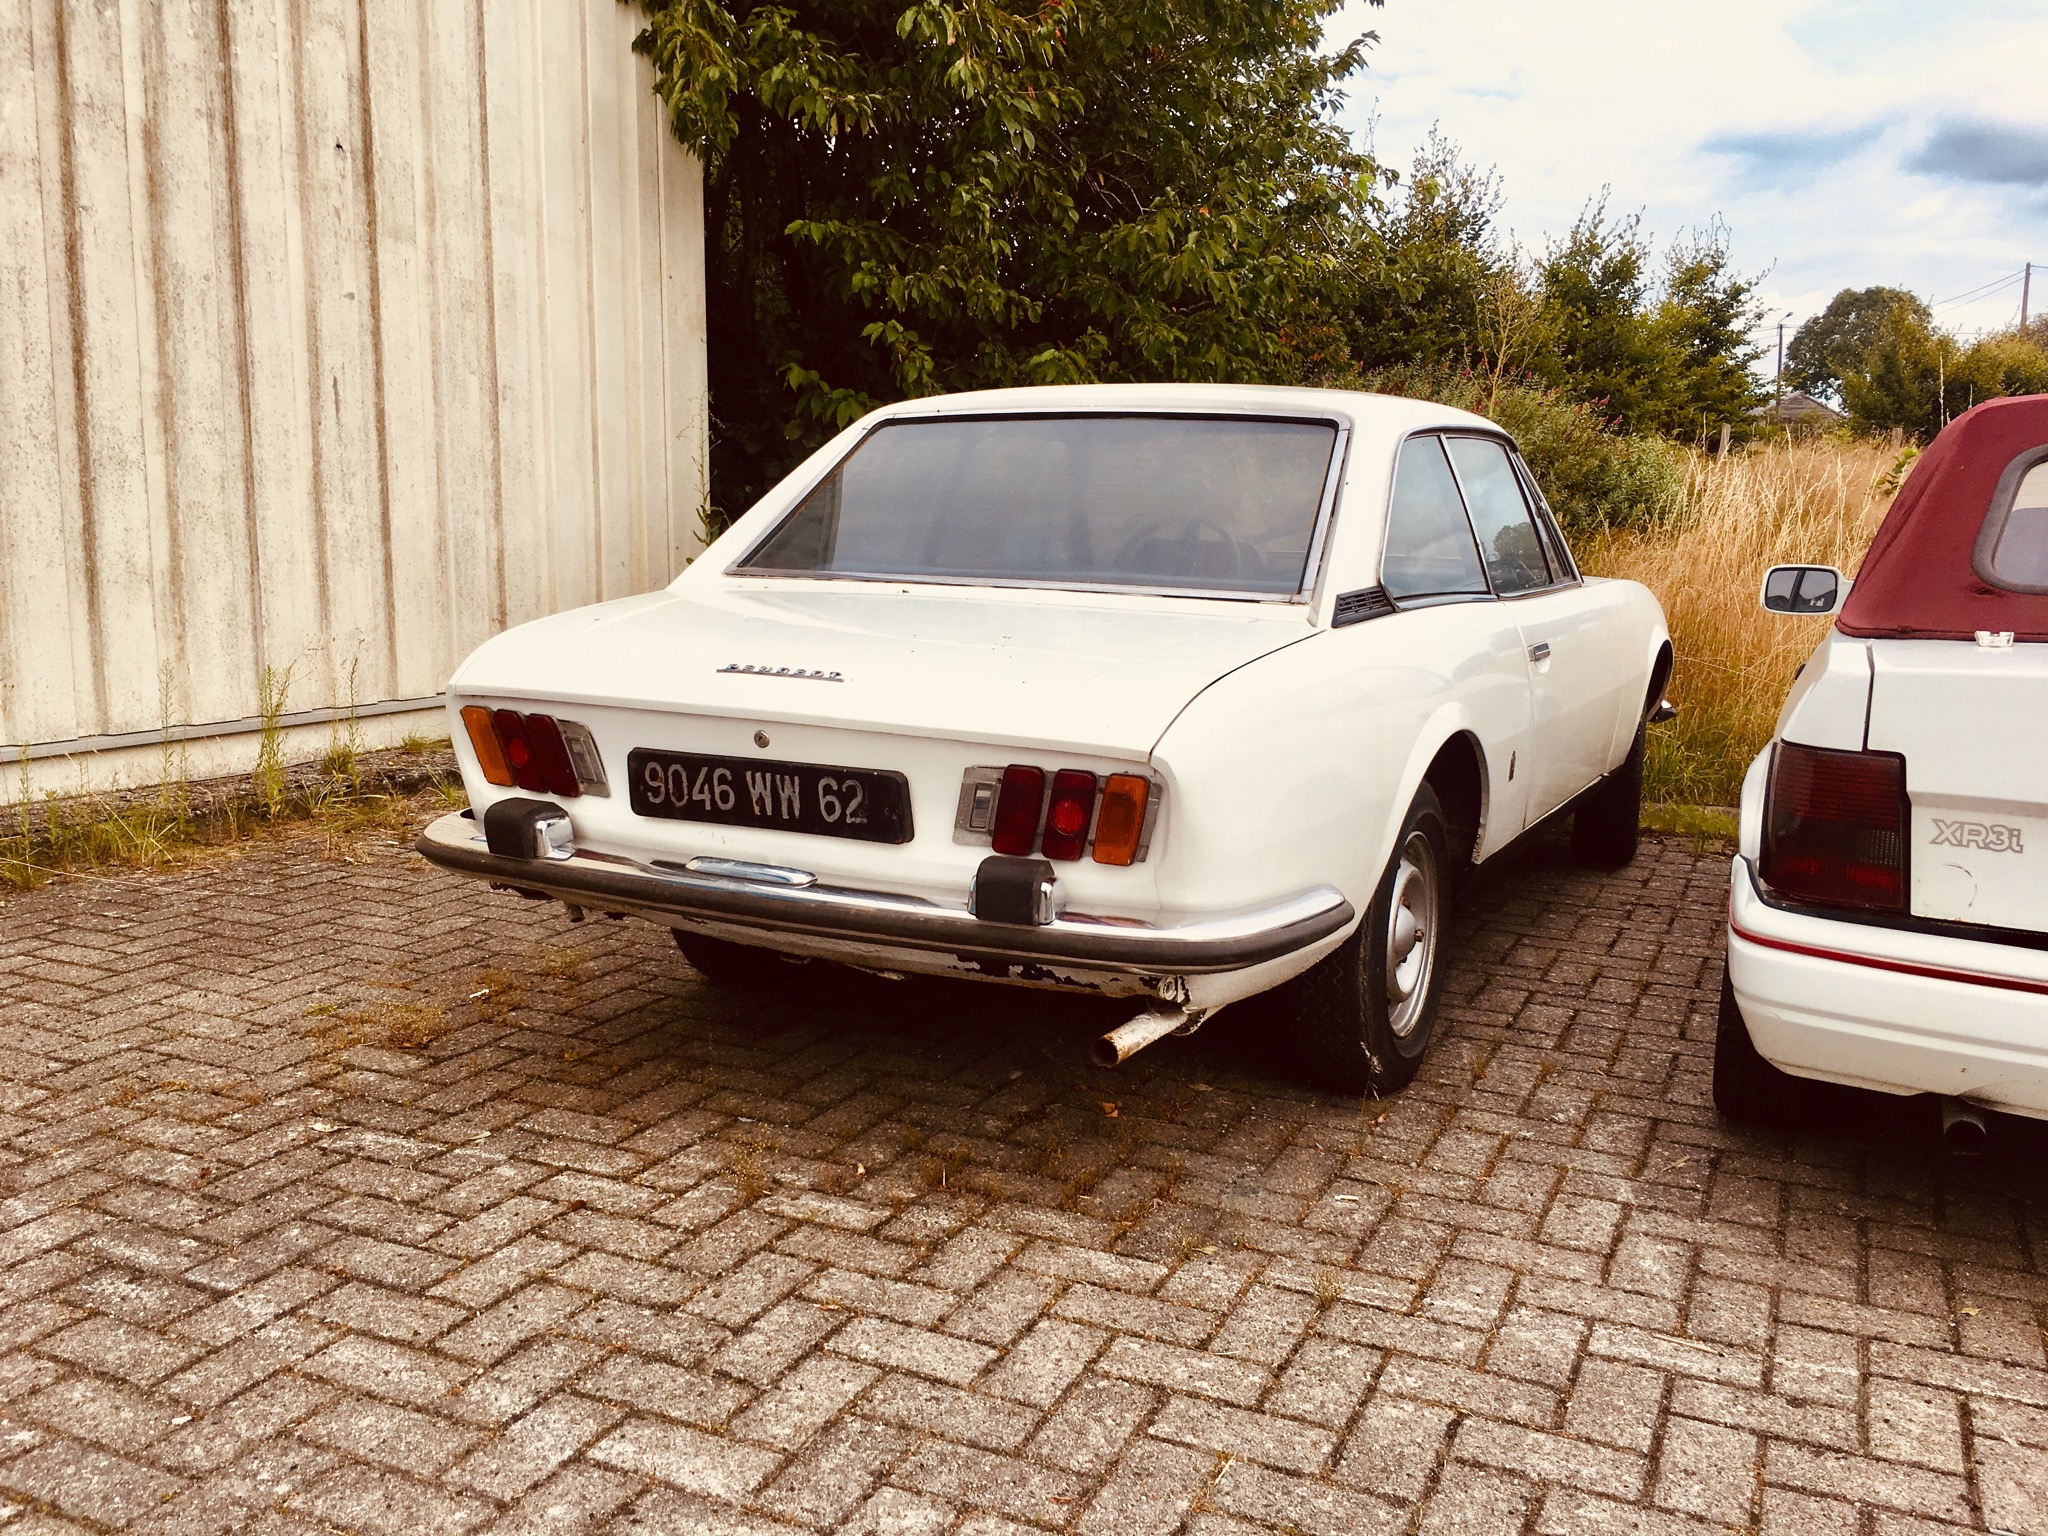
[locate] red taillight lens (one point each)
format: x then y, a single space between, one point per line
551 755
518 749
1016 825
1067 817
1835 827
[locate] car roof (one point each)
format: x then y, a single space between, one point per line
1919 580
1367 413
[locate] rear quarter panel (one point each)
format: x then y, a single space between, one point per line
1296 770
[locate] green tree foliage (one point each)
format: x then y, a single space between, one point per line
1593 476
1435 268
909 196
1659 347
1896 370
1704 323
1831 345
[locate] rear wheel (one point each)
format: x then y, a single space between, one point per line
1363 1014
1607 826
1746 1087
726 964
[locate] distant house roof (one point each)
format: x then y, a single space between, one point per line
1796 407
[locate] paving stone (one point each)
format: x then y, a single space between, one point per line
687 1458
1707 1470
398 1437
880 1342
1260 1437
532 1446
514 1279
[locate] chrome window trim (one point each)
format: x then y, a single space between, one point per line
1303 594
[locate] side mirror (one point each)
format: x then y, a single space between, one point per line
1804 589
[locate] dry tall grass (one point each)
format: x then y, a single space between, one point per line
1786 503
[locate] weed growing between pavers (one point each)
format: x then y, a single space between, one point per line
380 796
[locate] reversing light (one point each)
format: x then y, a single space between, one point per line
1067 816
1835 827
1121 822
510 730
490 757
1017 806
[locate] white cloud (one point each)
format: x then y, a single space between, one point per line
1845 144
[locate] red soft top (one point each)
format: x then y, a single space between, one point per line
1917 582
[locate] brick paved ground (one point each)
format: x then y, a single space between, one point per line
339 1196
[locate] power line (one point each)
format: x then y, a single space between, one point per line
1983 292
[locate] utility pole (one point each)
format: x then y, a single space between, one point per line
2026 292
1778 387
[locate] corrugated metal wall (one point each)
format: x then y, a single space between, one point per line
331 332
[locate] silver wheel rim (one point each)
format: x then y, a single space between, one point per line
1411 935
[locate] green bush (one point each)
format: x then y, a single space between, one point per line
1594 478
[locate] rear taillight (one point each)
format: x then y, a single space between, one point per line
1835 828
1121 823
1068 813
551 755
483 740
538 753
1065 815
1017 807
517 746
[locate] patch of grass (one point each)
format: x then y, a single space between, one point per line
1740 513
419 744
268 776
1706 825
749 1174
396 1025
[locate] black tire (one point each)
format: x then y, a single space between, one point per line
1357 1029
1746 1087
1607 824
726 964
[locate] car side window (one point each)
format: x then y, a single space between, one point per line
1429 551
1562 564
1500 515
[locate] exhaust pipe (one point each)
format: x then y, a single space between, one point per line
1126 1040
1962 1128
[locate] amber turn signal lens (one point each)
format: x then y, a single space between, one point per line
1121 822
484 741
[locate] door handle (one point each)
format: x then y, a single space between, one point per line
1540 651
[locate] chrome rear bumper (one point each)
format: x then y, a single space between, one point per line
1209 943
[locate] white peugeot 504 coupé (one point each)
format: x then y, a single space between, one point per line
1888 926
1173 693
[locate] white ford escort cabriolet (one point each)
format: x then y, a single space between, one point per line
1174 693
1888 926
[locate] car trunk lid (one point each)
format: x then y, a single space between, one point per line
1101 674
1972 722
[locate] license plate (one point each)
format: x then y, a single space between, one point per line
868 803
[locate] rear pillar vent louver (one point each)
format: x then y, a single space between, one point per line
1357 607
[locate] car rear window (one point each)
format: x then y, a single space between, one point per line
1157 503
2012 551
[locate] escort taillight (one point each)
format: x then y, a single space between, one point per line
1835 828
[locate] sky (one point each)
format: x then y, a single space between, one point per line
1843 144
